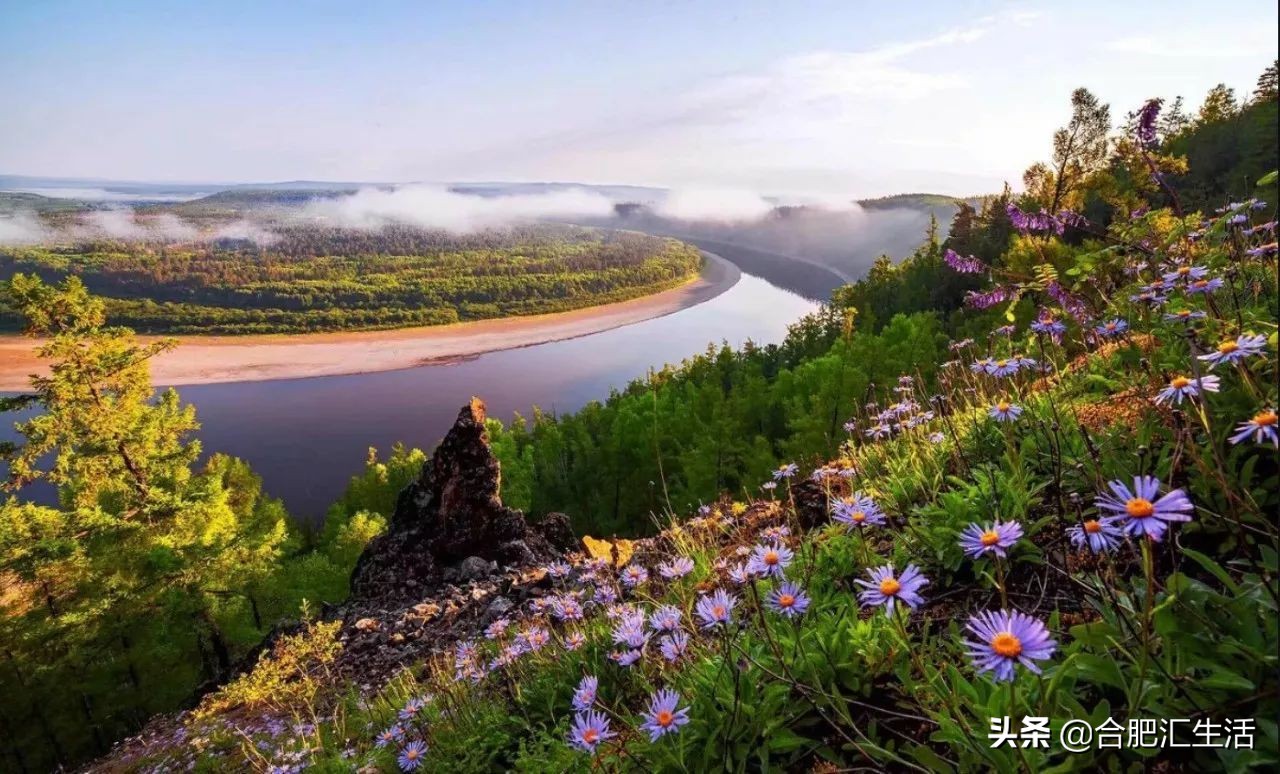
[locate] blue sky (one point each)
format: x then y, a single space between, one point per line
822 99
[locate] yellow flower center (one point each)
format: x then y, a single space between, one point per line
1179 382
1199 284
590 735
1093 526
664 718
1265 419
1227 347
1002 363
786 600
889 587
990 538
771 557
1111 326
1184 312
1007 645
717 611
859 516
1184 270
1002 407
411 754
1139 508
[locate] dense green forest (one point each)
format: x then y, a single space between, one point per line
152 575
319 278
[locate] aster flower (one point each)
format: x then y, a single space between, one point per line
589 730
982 365
1139 513
936 437
558 570
625 658
574 640
585 694
630 630
634 575
850 426
464 653
674 645
410 757
1003 367
567 608
769 486
994 539
786 471
1149 297
1184 316
496 629
389 736
1098 535
1185 387
605 595
663 716
676 568
411 708
1047 324
885 587
788 599
776 532
1186 274
716 609
1205 285
1111 328
665 619
770 560
881 430
1236 351
535 638
1005 411
1002 640
740 574
857 511
1261 428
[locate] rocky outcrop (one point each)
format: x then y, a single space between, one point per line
451 524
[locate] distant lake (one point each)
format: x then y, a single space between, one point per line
307 437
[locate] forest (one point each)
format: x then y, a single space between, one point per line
968 420
310 277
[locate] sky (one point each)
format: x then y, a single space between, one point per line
802 99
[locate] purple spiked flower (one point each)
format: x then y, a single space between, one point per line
770 560
963 264
665 619
786 471
626 658
663 716
1186 274
589 730
1146 128
716 609
1184 316
1185 387
389 736
574 640
1235 351
995 539
884 587
630 631
1004 639
1098 535
585 695
634 575
1205 285
411 755
788 599
1261 428
1111 328
1139 513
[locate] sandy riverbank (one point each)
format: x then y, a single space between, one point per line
212 359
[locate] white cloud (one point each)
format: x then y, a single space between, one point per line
437 207
21 228
713 204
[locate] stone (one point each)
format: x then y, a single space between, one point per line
475 568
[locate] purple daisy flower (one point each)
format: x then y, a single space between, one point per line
411 708
1004 411
995 539
884 587
1004 639
1047 324
605 595
585 694
1003 367
630 630
716 609
1205 285
558 570
663 716
788 599
982 365
1139 513
676 568
1185 387
674 645
574 640
740 575
770 560
634 575
1184 316
389 736
411 755
589 730
1186 274
665 619
496 629
567 609
625 658
1098 535
857 511
786 471
1236 351
1261 428
1111 328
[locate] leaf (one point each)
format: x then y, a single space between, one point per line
1268 178
616 552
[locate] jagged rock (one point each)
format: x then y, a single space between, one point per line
811 504
451 521
555 529
366 624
